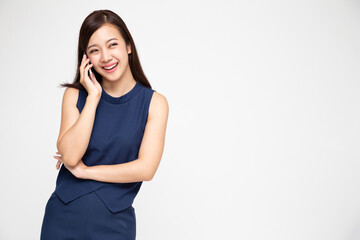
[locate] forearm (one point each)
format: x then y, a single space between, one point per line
75 141
134 171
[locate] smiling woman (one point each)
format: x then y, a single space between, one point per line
108 52
111 137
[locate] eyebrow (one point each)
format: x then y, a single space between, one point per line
106 41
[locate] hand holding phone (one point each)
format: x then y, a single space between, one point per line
88 79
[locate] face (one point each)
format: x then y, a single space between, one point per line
107 47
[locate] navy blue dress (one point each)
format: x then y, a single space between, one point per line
88 209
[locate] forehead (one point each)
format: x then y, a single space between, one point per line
104 33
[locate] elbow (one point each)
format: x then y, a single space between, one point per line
148 176
68 161
148 171
71 164
148 179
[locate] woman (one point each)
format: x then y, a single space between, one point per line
111 138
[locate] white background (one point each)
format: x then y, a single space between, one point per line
263 132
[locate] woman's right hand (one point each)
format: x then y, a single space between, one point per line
91 85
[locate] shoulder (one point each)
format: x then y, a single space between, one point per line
71 92
158 104
159 100
71 95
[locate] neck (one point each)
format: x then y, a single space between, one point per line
119 87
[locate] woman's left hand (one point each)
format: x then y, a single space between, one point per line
78 171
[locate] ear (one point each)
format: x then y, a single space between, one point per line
129 48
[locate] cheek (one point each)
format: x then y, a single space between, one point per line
121 53
124 57
94 60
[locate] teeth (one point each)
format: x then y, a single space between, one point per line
108 68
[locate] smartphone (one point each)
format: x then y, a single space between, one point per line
90 72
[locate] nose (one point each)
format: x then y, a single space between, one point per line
105 56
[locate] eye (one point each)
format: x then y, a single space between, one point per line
92 51
113 44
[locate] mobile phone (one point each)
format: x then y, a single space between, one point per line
90 72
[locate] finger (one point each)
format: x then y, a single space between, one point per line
86 70
82 61
84 57
58 158
93 78
91 74
83 69
82 66
58 165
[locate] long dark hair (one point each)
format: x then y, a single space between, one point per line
93 22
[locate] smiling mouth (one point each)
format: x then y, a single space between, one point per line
111 69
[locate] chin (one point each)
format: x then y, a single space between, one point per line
114 77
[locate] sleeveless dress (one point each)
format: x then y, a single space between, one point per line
89 209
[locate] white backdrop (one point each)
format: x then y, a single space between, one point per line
263 132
